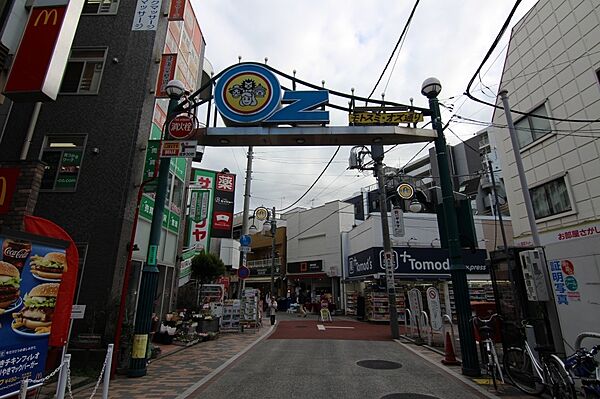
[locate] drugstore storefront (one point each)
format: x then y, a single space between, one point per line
413 268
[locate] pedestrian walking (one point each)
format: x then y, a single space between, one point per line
301 301
273 310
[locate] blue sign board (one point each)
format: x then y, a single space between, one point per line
245 240
415 262
249 94
243 272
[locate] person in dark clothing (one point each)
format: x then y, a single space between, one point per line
301 302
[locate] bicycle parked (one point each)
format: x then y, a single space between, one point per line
534 374
486 332
584 366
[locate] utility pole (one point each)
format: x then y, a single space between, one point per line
497 205
273 234
431 88
246 212
377 155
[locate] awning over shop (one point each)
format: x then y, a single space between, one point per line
261 279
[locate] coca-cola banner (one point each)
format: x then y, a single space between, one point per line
31 271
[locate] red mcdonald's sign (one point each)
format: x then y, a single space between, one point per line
41 58
8 185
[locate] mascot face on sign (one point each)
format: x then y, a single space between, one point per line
247 92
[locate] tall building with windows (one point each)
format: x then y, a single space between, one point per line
97 143
552 74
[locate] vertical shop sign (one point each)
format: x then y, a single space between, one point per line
200 232
415 302
8 185
177 10
435 310
41 59
150 165
222 220
29 289
566 286
146 15
168 64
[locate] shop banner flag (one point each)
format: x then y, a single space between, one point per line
34 271
222 222
62 313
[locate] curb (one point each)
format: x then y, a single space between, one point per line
222 367
454 374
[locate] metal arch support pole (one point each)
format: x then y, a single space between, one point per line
106 382
246 212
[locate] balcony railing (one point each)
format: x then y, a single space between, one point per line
263 263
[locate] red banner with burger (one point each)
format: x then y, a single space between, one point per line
36 290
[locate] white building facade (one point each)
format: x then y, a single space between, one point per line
552 69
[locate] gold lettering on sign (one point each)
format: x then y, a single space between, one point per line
47 15
3 189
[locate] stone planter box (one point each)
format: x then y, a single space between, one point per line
206 326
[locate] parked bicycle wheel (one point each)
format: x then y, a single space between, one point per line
561 385
491 359
519 368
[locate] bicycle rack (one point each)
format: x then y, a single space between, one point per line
446 317
584 335
430 336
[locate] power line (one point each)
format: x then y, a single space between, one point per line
487 56
395 47
315 182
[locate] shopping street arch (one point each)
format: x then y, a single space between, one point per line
259 111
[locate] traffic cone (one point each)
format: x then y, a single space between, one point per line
449 356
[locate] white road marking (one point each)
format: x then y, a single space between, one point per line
321 327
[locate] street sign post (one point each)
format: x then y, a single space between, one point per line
245 240
435 310
181 127
243 272
245 248
178 148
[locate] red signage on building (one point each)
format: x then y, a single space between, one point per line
177 10
8 184
41 58
166 74
181 127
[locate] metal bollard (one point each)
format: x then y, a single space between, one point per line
406 321
430 338
62 379
23 389
107 369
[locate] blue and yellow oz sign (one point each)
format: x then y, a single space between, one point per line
247 94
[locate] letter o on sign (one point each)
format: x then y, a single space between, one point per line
181 127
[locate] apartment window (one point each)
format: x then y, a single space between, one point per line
530 128
83 72
550 198
62 156
100 6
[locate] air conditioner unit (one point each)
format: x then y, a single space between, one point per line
533 264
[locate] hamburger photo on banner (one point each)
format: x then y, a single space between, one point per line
52 266
38 308
10 281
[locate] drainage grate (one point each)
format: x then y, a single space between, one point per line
408 396
379 364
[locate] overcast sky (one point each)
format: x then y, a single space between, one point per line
347 44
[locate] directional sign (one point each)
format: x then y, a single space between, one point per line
178 148
245 240
245 248
243 272
181 127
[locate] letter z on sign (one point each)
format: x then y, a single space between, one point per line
178 148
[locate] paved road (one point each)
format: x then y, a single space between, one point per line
327 368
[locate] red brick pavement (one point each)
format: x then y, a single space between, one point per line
347 330
167 377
